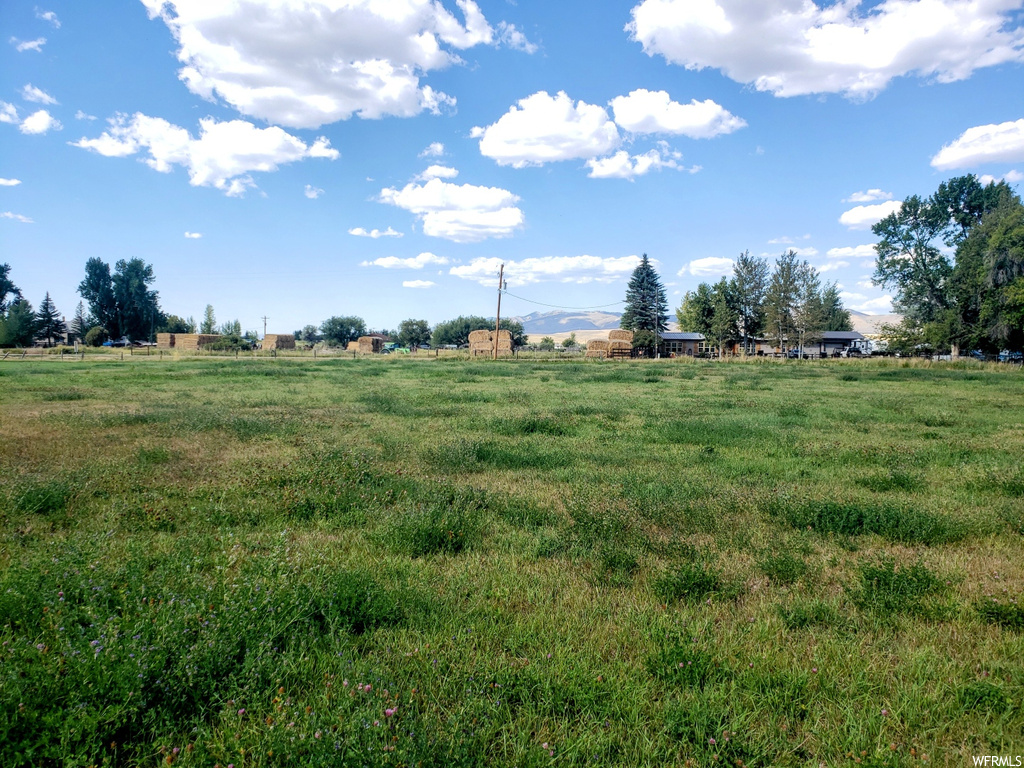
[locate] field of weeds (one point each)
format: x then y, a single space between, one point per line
456 563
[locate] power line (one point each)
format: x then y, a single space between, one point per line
557 306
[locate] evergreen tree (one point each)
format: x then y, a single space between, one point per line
49 324
7 288
724 316
646 305
695 313
836 316
780 299
18 325
209 324
79 324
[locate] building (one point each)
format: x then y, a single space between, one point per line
834 343
676 344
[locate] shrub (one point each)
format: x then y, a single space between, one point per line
95 336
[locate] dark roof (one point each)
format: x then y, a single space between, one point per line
682 337
841 336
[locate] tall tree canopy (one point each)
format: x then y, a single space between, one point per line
18 325
457 331
781 299
646 305
749 284
122 303
50 325
413 333
339 331
9 292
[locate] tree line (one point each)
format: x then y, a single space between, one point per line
955 263
339 331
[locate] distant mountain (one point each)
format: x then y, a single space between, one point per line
564 322
870 325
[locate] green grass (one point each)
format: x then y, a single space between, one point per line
452 562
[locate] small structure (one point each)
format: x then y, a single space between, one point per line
676 344
618 344
369 345
832 343
279 341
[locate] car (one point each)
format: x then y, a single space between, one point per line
1011 356
794 354
852 352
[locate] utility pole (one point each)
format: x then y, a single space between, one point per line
264 319
497 322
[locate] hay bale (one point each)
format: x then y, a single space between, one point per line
353 346
279 341
620 335
479 336
504 335
370 344
600 354
597 345
165 341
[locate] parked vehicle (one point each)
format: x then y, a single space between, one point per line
1011 356
124 341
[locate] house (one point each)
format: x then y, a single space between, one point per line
675 344
833 343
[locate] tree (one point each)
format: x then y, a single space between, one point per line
749 284
310 333
231 328
457 331
95 336
7 288
835 316
209 324
18 325
98 291
808 314
138 307
547 344
79 324
49 324
339 331
413 333
780 299
723 317
646 307
175 324
569 341
695 313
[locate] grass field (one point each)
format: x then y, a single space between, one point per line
454 563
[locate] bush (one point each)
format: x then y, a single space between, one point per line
95 336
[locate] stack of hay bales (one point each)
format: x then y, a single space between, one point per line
482 343
165 341
369 345
279 341
193 342
353 346
597 348
620 343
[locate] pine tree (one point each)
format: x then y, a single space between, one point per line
209 323
49 324
79 323
646 305
18 325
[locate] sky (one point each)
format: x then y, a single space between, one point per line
300 159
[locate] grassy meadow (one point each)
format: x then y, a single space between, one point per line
391 562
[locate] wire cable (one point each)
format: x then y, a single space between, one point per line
557 306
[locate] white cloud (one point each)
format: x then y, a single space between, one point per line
49 16
437 172
644 111
464 214
511 37
544 269
866 284
28 45
8 113
866 216
1002 143
80 115
795 47
785 240
434 149
622 166
374 233
30 93
9 182
304 63
416 262
861 303
832 266
16 217
544 128
869 196
417 283
222 157
808 252
852 252
312 192
193 235
1010 177
39 122
712 266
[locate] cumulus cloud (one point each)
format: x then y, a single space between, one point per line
39 122
28 45
549 269
1010 177
623 166
866 216
861 303
193 235
312 192
438 172
304 63
832 266
80 115
416 262
222 157
16 217
417 283
30 93
786 240
796 47
808 252
8 113
852 252
1000 143
374 233
434 149
644 111
9 182
462 213
49 16
543 129
869 196
712 266
511 37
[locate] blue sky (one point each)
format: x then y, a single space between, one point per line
306 158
